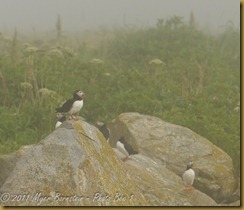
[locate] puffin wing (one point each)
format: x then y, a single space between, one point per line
66 106
130 149
127 146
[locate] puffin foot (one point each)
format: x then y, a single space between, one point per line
72 117
125 159
188 188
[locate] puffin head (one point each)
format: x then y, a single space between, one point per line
59 115
122 140
78 94
189 165
99 124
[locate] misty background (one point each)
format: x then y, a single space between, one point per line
178 60
81 15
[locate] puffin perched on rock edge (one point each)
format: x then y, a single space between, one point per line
73 105
188 177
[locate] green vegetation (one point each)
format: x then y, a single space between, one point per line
196 84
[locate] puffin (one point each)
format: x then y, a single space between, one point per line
60 119
103 129
188 177
73 105
125 148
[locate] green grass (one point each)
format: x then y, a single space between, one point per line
198 87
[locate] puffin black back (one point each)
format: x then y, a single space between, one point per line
66 106
103 129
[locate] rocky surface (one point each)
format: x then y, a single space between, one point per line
8 163
161 187
67 168
174 146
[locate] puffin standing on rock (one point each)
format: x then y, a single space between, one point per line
73 105
125 148
60 119
188 177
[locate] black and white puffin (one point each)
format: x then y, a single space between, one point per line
188 176
103 129
125 148
60 119
73 105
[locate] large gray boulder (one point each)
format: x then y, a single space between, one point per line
174 146
73 166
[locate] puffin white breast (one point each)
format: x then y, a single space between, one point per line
77 105
121 148
58 124
188 177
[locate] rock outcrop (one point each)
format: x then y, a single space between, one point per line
76 166
174 146
73 166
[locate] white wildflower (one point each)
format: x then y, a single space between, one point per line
55 52
237 109
157 62
69 51
31 49
96 61
215 98
46 92
27 45
26 85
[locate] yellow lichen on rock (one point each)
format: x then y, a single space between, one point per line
110 184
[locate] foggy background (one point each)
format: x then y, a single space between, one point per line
80 15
